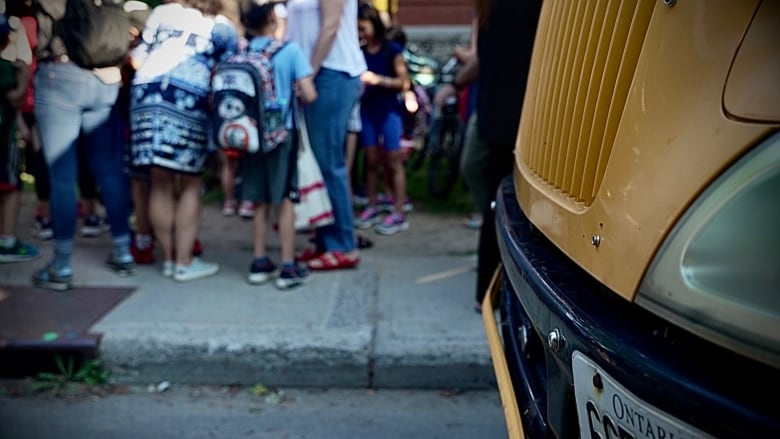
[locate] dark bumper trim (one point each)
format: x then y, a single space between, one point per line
702 384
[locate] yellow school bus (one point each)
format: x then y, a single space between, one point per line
639 287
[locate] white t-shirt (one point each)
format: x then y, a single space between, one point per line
303 27
18 44
280 10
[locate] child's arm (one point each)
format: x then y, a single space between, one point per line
304 89
22 127
15 96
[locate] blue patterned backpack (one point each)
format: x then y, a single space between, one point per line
247 115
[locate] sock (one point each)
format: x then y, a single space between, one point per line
122 249
142 242
63 250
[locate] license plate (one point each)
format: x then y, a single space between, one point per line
607 410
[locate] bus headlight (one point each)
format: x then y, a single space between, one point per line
718 272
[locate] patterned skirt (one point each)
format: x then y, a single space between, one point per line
169 127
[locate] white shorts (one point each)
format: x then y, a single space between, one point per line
354 125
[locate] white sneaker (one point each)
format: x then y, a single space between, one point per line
196 270
246 210
168 268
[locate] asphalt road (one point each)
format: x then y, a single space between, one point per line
235 412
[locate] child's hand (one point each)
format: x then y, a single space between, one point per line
463 54
370 78
22 128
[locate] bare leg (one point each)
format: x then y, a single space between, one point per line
372 173
227 176
287 230
45 208
9 203
397 174
162 209
188 213
88 207
349 153
260 229
140 192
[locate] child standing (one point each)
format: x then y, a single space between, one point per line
13 86
381 111
269 178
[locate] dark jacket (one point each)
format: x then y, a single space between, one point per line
504 48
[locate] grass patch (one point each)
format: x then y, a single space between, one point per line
458 202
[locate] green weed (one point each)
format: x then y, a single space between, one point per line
89 374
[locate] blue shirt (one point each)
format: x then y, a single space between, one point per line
377 99
290 65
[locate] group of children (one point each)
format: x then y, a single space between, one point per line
376 127
380 128
14 78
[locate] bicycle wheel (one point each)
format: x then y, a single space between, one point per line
417 157
444 160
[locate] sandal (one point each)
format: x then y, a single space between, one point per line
332 261
363 242
308 254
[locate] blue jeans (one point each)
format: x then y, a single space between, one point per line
327 119
69 102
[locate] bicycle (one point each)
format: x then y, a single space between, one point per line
442 144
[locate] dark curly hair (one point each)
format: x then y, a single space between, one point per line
254 16
368 12
207 7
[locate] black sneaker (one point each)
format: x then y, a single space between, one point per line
50 279
261 270
94 226
122 268
291 276
43 228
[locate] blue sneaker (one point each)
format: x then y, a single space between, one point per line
19 252
291 276
53 280
261 271
122 267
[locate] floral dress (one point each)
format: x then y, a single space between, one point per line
169 105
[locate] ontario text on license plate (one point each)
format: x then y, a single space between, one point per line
614 412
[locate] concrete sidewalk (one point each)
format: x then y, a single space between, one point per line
402 319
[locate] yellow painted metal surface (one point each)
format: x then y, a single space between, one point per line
505 388
757 63
618 157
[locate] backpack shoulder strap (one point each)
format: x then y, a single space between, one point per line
267 53
273 47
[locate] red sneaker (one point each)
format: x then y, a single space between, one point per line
143 256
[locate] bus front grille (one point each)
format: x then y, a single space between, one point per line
572 105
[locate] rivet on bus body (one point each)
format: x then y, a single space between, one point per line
595 240
555 340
